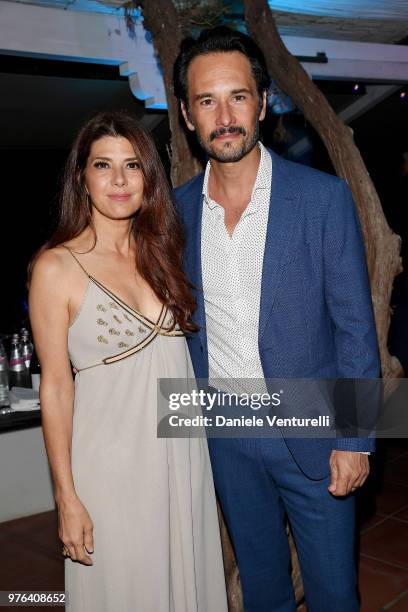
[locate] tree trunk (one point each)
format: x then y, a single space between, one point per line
232 579
382 245
164 24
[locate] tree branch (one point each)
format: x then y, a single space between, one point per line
164 24
382 245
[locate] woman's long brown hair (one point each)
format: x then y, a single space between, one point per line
156 229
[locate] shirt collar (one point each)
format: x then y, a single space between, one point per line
262 181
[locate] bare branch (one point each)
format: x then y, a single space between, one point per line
382 245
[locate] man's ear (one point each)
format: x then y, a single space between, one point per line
263 106
186 116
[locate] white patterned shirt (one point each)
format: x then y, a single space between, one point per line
232 277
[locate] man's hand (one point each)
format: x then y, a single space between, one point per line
349 470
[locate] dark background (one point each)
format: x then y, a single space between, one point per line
43 103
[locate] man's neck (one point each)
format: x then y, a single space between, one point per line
231 184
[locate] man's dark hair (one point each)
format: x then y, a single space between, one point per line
218 40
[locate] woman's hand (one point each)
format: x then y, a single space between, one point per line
75 530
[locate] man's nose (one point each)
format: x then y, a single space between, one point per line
225 116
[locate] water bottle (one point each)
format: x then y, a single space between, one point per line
27 346
35 371
19 375
4 382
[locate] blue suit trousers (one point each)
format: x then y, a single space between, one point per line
259 484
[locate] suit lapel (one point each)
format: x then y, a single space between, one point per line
281 223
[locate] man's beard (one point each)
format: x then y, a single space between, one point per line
229 153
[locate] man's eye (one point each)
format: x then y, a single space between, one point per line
239 97
206 102
101 164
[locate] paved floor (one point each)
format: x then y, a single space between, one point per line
383 512
31 553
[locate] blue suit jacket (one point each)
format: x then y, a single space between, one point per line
316 318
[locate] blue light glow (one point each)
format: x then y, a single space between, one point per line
353 9
84 6
278 102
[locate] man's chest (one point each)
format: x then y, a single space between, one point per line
232 264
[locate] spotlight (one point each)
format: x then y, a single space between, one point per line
403 95
356 87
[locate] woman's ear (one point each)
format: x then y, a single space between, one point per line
80 180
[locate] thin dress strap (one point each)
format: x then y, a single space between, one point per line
76 259
155 326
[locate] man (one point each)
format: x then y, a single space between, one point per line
277 250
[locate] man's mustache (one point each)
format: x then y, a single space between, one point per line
228 130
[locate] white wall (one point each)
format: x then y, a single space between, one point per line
91 37
25 481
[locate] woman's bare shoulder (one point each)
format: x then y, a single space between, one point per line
51 262
54 266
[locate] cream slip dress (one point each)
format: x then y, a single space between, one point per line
151 500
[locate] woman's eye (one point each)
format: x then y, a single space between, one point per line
101 164
133 165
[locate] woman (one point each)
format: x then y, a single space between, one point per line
137 514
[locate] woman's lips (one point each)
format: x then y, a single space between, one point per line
119 197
